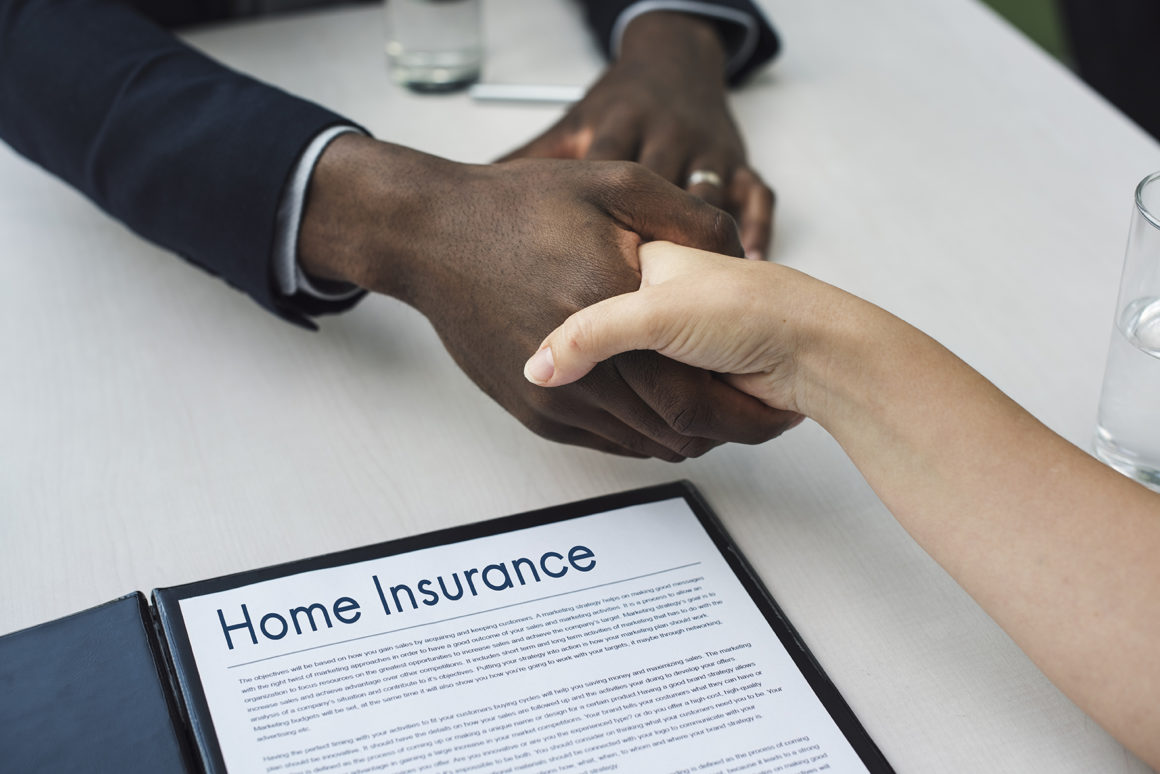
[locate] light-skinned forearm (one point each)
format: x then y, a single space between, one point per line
1061 551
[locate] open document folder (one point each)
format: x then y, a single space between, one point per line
625 633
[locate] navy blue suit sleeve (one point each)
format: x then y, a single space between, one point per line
602 16
187 152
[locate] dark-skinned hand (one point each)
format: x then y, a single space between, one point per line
664 103
495 256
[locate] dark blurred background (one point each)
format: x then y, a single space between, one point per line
1114 45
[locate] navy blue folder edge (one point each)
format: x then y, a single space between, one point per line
195 710
92 691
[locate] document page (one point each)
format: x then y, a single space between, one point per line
619 641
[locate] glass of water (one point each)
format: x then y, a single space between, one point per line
1128 428
434 45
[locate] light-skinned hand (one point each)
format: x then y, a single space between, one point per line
697 307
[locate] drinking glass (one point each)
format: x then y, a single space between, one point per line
434 45
1128 427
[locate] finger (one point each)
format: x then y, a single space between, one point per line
695 403
562 141
638 444
594 334
662 155
707 178
656 210
604 405
558 432
622 400
616 139
572 419
754 202
627 420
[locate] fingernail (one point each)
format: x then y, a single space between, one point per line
754 255
540 366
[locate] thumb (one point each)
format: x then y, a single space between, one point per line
623 323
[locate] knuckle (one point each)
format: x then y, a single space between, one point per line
684 418
579 337
724 233
616 179
631 175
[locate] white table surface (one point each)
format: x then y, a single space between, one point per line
157 427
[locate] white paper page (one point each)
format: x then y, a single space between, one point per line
645 654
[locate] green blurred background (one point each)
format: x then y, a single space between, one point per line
1111 44
1040 20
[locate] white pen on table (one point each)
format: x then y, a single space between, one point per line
525 92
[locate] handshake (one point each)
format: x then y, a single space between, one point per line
497 255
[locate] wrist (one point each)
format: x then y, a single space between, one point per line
862 373
681 43
843 353
367 216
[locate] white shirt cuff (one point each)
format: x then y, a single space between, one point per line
288 275
737 57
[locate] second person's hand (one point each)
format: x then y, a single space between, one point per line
664 103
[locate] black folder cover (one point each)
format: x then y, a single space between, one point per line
89 693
